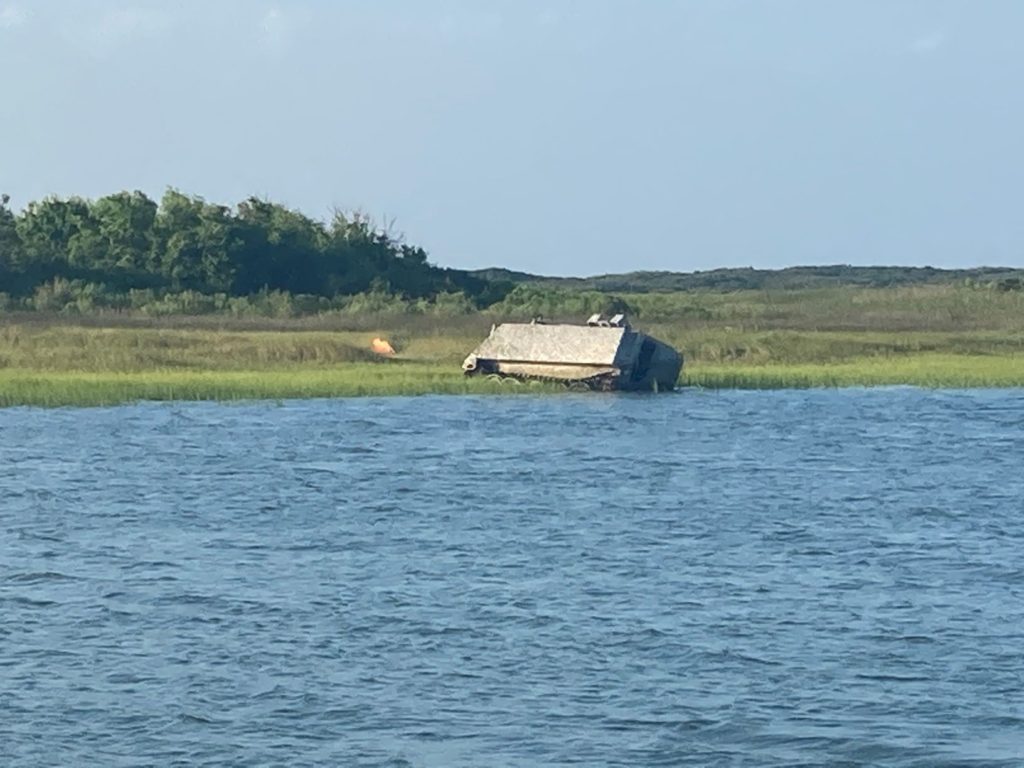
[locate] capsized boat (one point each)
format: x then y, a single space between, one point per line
601 354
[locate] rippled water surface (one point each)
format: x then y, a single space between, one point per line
773 578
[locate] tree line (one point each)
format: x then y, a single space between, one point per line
185 255
127 241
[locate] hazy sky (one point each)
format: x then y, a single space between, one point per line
554 136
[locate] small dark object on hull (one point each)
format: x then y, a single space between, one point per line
601 355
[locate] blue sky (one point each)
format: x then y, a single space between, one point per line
569 137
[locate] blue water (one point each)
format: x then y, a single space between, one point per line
770 578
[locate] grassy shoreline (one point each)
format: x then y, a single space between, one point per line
61 361
55 388
19 387
90 388
926 370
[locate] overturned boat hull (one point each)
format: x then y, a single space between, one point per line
593 357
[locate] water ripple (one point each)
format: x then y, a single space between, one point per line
773 578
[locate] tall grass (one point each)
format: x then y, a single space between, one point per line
931 336
925 307
86 388
935 308
928 370
71 347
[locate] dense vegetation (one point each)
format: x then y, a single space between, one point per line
47 360
750 279
128 254
110 247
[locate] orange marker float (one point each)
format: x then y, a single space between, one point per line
382 346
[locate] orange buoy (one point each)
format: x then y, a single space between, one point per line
382 346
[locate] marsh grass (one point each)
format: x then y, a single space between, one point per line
86 388
70 347
926 370
931 336
934 308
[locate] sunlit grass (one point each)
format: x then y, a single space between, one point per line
59 363
923 370
57 388
950 307
70 347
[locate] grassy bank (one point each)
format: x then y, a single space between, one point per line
924 370
58 388
936 337
78 387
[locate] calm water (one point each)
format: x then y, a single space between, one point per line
774 578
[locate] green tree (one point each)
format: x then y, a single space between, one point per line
282 250
10 243
46 229
194 243
348 266
125 224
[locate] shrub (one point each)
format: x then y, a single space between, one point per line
535 301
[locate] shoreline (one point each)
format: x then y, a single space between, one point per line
61 362
63 388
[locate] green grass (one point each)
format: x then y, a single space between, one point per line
930 336
925 370
915 308
87 388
